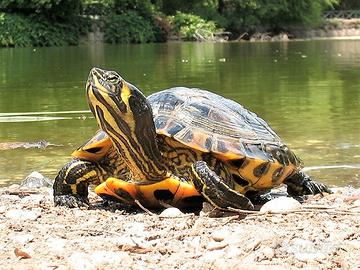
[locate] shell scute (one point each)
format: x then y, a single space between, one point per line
211 123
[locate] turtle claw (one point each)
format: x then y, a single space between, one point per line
71 201
301 184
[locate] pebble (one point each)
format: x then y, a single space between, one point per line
268 253
171 212
36 180
34 199
219 235
305 250
212 245
23 239
17 214
280 205
56 245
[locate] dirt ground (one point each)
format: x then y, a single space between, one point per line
323 234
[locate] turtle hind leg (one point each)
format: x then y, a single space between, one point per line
215 191
301 184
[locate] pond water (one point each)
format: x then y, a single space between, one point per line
309 92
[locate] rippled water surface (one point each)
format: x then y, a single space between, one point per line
309 92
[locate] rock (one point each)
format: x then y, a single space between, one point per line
171 212
56 245
280 205
36 180
2 209
268 253
33 199
305 250
219 235
17 214
23 239
212 245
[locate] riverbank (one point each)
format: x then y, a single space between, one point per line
323 234
330 29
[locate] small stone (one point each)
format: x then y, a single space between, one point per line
22 214
268 253
171 212
32 199
36 180
212 245
56 245
2 209
23 239
219 235
280 205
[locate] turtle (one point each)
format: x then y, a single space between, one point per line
180 147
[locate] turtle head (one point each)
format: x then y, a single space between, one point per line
123 112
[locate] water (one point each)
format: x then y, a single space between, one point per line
309 92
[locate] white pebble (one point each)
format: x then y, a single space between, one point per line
219 235
23 239
56 245
2 209
171 212
280 205
22 214
212 245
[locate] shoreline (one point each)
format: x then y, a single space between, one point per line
323 234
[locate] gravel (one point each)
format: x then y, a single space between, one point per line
322 233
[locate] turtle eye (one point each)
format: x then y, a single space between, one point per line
112 78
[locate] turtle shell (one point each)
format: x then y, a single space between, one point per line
211 123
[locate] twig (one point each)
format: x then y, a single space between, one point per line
145 209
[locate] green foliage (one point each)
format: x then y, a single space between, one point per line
128 27
186 25
243 15
98 7
19 31
348 4
49 8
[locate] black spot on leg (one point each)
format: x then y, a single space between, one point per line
163 195
124 194
240 181
237 163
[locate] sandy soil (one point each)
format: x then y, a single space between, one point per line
323 234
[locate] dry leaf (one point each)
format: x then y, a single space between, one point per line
21 254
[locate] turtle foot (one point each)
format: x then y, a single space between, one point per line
215 191
301 184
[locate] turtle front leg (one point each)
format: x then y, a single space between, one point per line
215 191
301 184
71 184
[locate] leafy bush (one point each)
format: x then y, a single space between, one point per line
186 25
245 15
128 27
19 31
49 8
98 7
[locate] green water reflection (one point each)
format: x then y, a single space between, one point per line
309 92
